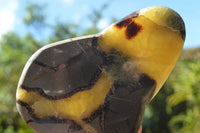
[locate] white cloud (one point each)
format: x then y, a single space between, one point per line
103 24
6 23
68 2
7 15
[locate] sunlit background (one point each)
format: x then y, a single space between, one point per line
27 25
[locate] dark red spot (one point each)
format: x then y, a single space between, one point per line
126 20
132 30
123 23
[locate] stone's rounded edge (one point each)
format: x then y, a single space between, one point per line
165 16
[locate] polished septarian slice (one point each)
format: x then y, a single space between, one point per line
101 83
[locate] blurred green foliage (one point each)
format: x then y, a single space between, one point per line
176 108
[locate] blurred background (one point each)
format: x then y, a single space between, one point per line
27 25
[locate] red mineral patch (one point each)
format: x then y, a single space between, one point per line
123 23
132 30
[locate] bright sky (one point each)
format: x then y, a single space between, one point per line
11 12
